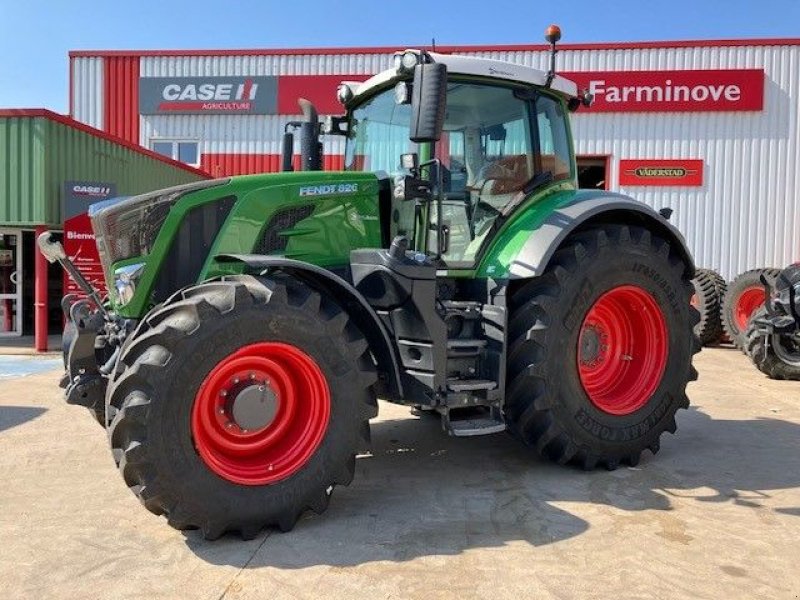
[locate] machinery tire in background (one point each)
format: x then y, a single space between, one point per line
745 295
600 348
240 403
709 289
780 359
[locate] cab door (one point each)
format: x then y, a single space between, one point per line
10 282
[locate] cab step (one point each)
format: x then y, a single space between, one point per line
465 348
473 421
470 385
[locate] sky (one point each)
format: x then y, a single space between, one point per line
37 35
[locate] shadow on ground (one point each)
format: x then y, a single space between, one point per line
424 494
11 416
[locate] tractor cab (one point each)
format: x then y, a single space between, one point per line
461 143
495 142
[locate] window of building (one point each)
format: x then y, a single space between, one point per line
182 150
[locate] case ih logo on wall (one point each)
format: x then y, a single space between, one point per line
673 91
92 191
661 172
208 95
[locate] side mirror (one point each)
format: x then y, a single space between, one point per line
428 102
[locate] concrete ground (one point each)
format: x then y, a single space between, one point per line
715 515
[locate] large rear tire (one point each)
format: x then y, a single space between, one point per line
780 359
239 404
745 295
709 289
601 348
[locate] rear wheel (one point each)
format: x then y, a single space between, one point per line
601 348
239 404
744 297
777 356
709 288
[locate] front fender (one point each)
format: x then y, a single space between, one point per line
348 298
525 245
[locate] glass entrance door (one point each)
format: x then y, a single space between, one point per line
10 282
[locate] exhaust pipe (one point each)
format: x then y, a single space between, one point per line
310 146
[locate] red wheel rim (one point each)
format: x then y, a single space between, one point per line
748 302
622 350
261 413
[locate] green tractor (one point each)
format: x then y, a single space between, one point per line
453 266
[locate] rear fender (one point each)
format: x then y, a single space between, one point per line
524 248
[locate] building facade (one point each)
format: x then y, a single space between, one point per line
708 128
51 169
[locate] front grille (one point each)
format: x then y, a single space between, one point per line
270 240
191 246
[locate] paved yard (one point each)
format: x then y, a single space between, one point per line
715 515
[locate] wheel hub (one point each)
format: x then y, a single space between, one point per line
254 407
592 344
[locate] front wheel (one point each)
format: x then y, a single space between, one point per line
239 404
601 348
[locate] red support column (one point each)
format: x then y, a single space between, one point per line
40 296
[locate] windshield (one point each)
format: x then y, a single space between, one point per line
378 135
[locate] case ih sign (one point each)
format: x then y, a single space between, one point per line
661 172
673 91
208 95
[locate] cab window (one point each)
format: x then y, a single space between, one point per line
487 155
553 138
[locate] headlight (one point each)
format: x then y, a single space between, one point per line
125 280
404 62
128 228
344 93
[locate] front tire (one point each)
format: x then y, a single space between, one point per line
601 348
239 404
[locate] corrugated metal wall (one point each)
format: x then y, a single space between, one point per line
37 155
747 213
77 155
121 97
22 168
86 95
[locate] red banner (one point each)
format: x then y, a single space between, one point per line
320 89
673 91
80 246
664 172
79 240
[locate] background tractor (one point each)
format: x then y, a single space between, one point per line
453 266
773 333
